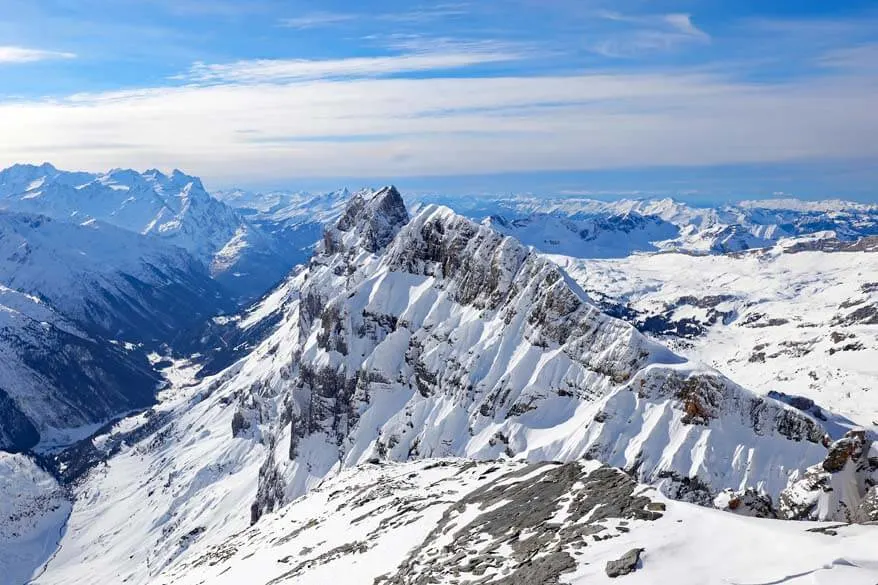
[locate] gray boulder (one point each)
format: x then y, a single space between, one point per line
627 563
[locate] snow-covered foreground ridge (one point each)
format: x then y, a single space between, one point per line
436 336
455 521
508 523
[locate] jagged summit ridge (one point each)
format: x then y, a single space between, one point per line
436 336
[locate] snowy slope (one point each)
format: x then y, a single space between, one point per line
506 523
174 208
798 323
450 521
54 377
172 476
33 512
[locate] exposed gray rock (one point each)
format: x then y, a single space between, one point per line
868 509
747 502
627 563
841 488
517 510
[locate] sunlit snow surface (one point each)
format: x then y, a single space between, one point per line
794 324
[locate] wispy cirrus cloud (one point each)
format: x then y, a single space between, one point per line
11 54
862 57
318 20
427 14
417 15
648 33
449 56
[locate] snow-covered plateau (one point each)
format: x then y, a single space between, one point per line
487 390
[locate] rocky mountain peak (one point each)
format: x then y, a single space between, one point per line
438 336
370 221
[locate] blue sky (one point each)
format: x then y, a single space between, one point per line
701 100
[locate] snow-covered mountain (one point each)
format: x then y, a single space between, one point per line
436 336
296 220
429 399
793 319
174 208
649 225
55 378
106 279
604 236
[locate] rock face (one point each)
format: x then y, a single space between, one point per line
435 336
747 502
559 508
841 488
628 563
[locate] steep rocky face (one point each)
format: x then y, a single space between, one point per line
844 487
436 336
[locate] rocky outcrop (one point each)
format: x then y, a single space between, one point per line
373 219
747 502
517 530
627 563
841 488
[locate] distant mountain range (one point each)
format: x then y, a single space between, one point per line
599 229
174 209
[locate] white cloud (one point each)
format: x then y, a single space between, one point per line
406 127
284 70
683 24
318 19
9 54
417 15
648 33
427 14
